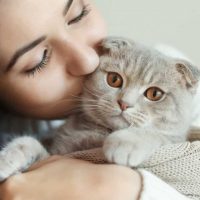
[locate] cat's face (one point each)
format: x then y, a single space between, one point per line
136 86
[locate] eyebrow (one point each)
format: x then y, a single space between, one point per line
67 7
22 51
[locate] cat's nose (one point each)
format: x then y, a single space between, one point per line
123 105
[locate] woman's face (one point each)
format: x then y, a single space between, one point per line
46 47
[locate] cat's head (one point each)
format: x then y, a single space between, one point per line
139 86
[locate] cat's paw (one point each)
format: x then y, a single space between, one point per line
120 148
7 168
19 154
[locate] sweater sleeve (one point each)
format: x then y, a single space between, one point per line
155 189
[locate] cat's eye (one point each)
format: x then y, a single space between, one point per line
154 94
114 80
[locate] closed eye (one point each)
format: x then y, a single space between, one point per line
84 13
44 61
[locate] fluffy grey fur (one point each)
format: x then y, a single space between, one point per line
123 120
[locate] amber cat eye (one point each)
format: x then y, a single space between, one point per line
154 94
114 80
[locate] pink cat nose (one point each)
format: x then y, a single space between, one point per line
123 105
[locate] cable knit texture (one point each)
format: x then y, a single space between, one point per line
176 164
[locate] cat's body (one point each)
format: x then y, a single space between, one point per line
136 101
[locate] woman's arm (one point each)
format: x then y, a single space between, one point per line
62 178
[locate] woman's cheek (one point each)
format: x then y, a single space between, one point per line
42 89
50 91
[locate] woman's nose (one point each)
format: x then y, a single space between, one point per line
82 59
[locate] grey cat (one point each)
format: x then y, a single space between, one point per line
136 101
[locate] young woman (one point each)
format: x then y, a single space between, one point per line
46 48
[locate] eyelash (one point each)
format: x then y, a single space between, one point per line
47 54
84 13
45 59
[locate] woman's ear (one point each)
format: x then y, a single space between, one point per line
190 73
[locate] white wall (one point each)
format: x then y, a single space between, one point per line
174 22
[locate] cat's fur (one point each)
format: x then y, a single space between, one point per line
129 136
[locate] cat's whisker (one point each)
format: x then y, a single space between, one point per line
72 100
89 100
137 115
79 110
81 99
102 114
141 120
100 95
103 105
111 107
93 95
92 100
92 92
74 110
138 122
141 114
89 106
92 105
103 109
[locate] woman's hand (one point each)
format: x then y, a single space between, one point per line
62 178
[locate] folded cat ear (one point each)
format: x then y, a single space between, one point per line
189 72
114 44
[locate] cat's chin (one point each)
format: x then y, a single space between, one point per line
118 122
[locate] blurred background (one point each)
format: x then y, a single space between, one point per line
172 22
